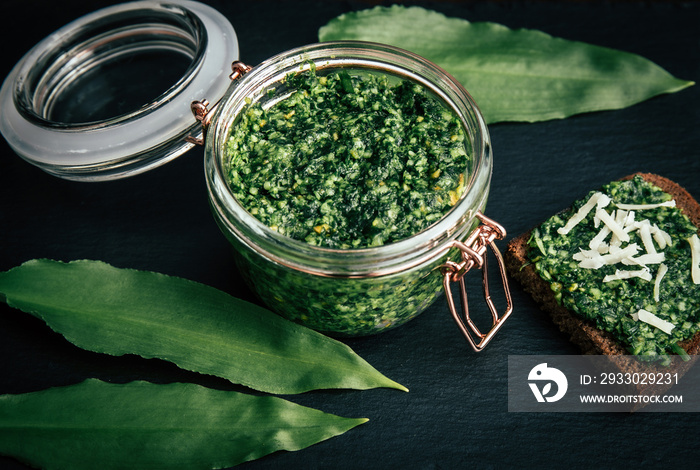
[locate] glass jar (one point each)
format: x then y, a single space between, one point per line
77 105
349 292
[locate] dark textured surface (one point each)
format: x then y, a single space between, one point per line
455 415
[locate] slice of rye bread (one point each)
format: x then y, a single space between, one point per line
582 332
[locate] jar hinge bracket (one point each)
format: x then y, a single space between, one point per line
474 254
201 110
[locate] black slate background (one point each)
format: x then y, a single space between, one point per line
455 415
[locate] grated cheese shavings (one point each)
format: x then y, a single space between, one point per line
613 224
592 259
651 319
661 237
589 259
663 269
597 199
619 275
695 258
616 254
643 260
597 242
645 235
620 224
639 207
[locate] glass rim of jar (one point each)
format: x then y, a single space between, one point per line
387 259
132 140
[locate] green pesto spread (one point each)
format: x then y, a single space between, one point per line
613 305
348 161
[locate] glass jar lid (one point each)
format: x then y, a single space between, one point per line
108 95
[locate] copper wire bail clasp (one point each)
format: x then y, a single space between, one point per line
474 254
201 110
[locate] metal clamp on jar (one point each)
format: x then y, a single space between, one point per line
336 291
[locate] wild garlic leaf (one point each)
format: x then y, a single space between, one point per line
121 311
96 425
513 75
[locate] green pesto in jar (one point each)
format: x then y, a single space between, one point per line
612 305
348 161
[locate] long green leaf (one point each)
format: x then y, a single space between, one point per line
513 75
121 311
96 425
